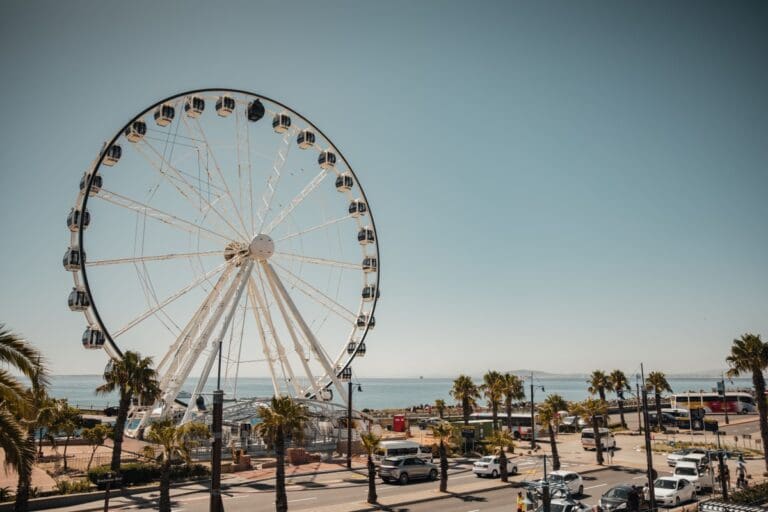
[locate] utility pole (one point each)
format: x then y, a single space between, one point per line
533 413
545 488
218 404
637 397
725 401
648 452
349 424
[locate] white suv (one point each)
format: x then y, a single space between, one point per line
489 466
569 479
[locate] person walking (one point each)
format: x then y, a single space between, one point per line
610 454
741 473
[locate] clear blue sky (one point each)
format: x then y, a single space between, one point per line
557 185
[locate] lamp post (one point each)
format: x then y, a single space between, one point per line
533 415
346 376
648 453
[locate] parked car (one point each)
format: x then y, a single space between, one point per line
406 468
565 505
571 424
674 457
667 419
671 491
699 475
618 496
489 466
569 479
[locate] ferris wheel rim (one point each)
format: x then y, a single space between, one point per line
117 352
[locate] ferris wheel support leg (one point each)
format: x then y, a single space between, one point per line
296 343
330 370
278 344
232 298
253 294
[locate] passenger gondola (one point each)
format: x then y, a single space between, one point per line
281 123
194 106
305 139
73 259
164 115
93 338
78 300
225 105
136 131
357 208
344 182
255 110
327 159
365 236
73 219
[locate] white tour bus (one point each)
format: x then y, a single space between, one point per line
737 402
519 423
397 448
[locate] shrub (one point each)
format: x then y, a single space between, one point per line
73 486
138 473
755 495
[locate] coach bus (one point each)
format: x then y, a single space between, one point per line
519 423
736 402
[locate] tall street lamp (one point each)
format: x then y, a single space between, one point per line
533 414
346 376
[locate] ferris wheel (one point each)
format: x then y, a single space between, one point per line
223 244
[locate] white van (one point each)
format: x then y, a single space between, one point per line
699 475
606 439
398 448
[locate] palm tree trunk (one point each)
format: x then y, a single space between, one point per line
281 498
508 406
465 409
503 465
372 497
553 447
117 438
165 485
621 414
443 468
25 479
598 442
657 400
601 392
762 409
495 412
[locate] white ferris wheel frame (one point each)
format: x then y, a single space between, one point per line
237 275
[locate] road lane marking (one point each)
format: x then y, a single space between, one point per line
595 486
302 499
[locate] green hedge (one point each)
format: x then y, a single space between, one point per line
137 473
755 495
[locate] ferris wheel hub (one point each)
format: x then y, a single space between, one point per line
262 247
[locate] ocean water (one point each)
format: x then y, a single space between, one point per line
376 393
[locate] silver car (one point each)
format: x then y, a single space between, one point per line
406 468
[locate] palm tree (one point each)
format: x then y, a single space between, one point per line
548 416
619 384
657 382
500 440
749 354
598 383
493 389
443 431
66 420
17 408
95 437
465 391
440 406
589 410
513 390
134 377
371 443
174 442
282 419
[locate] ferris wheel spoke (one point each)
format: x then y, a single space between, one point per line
243 154
190 188
279 299
229 303
159 306
281 354
161 257
314 228
273 180
166 218
216 166
173 377
318 296
296 201
320 261
253 295
281 294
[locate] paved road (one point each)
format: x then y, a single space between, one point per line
315 491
